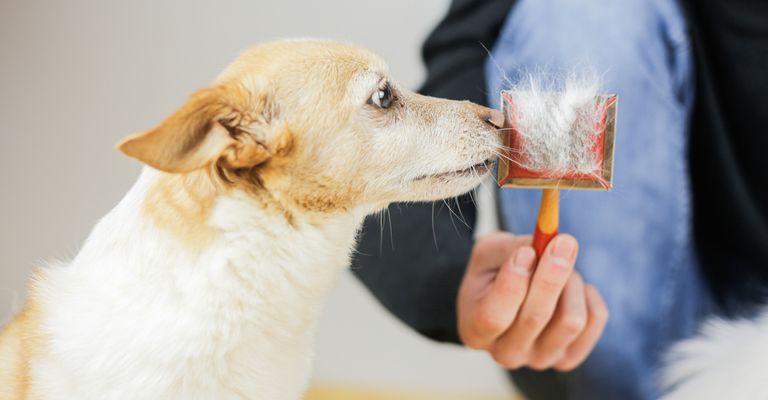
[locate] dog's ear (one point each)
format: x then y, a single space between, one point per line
213 126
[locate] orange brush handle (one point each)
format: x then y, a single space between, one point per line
547 222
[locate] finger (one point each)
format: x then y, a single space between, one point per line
493 249
567 324
494 312
547 284
580 349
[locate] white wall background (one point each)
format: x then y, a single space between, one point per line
76 76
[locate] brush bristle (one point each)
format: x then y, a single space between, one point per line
557 127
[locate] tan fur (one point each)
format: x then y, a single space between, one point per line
20 344
13 361
210 127
181 205
317 191
197 135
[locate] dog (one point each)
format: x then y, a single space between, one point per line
207 279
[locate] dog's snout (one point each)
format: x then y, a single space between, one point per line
494 117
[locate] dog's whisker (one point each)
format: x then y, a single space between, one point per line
391 235
434 232
450 216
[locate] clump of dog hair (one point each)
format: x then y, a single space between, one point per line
558 122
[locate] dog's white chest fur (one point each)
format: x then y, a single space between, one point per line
138 315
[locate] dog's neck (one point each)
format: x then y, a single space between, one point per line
233 287
230 237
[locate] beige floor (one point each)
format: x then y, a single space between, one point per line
347 393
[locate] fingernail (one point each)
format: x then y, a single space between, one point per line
563 250
523 261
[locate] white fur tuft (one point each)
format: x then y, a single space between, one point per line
558 122
727 360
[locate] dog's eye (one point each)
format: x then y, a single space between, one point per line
382 98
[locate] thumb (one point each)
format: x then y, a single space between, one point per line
495 310
493 249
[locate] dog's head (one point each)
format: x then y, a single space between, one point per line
321 127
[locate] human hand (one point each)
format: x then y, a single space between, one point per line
540 316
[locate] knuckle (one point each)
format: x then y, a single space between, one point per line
470 338
508 359
566 364
472 341
539 362
510 285
543 360
467 338
538 365
551 285
596 304
487 322
600 314
533 321
573 324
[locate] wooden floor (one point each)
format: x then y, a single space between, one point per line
345 393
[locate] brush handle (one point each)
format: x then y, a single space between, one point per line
547 222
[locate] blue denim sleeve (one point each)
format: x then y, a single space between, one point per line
635 241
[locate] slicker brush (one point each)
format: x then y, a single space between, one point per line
557 140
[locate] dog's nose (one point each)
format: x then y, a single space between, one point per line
495 118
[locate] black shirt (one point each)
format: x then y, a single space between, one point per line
729 140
